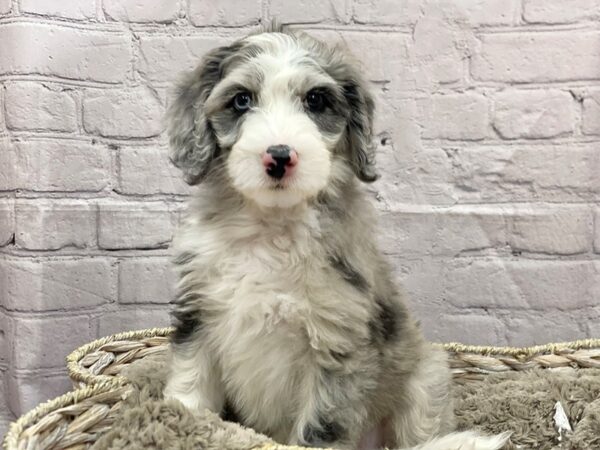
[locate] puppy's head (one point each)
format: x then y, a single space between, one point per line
281 113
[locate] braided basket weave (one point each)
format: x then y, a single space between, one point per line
103 360
75 420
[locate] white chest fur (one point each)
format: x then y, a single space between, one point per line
274 310
259 333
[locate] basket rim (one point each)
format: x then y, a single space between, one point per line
75 371
17 427
97 384
520 352
78 374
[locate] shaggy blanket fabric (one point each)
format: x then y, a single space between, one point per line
523 403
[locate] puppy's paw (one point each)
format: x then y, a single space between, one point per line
191 400
466 440
327 434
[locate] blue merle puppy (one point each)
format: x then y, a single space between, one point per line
286 314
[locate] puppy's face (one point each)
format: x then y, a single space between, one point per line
279 112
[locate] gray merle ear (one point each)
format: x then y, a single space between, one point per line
360 128
193 145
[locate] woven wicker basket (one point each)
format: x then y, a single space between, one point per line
72 421
75 420
103 360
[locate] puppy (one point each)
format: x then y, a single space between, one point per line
286 314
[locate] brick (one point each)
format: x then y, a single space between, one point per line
133 319
537 57
414 276
533 114
7 221
36 106
387 12
454 117
554 11
592 325
433 55
141 10
6 421
146 280
44 224
56 285
524 328
5 6
123 113
410 174
5 412
474 329
480 12
591 112
230 13
92 55
422 230
538 285
54 165
2 119
26 391
6 416
5 348
135 225
69 9
418 231
391 116
565 172
147 170
382 56
45 342
597 231
164 57
308 11
553 230
470 12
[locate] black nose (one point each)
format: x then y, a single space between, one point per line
280 153
281 156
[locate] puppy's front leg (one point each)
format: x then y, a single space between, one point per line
195 378
334 413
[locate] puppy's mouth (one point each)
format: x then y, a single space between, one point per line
279 186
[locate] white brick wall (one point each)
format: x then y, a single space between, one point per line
489 147
37 106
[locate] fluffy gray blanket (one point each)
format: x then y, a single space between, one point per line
523 403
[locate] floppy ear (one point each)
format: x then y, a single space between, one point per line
360 128
193 145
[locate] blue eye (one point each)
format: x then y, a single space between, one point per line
242 102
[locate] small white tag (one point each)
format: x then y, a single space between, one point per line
561 421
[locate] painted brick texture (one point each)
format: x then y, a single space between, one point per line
488 132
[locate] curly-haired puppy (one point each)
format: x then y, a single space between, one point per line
287 317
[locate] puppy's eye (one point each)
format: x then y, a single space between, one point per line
315 101
242 101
